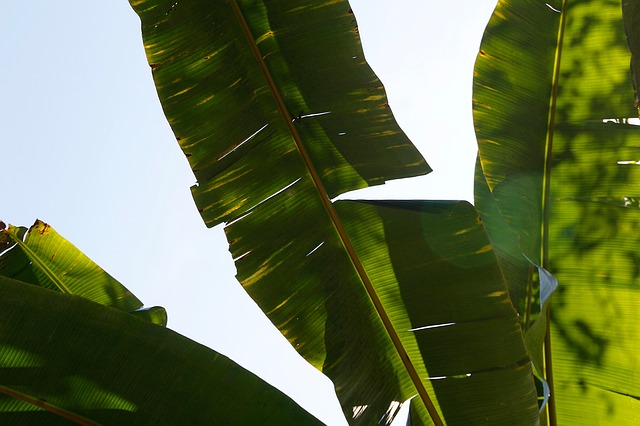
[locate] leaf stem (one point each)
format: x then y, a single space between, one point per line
529 304
551 406
47 406
33 256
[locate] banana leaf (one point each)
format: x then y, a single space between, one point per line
42 257
256 91
558 180
437 276
277 112
65 359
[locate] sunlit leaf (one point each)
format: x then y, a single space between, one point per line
46 259
247 84
557 152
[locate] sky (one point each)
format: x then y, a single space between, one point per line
87 149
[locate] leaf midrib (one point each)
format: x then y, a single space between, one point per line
54 409
546 192
33 256
335 220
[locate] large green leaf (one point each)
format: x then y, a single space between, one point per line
63 357
255 91
565 183
277 111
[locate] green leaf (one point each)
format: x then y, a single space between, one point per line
277 112
565 182
46 259
437 276
257 91
65 357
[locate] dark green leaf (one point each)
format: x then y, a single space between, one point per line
232 80
94 364
277 112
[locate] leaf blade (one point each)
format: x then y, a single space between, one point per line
583 190
292 251
49 260
53 342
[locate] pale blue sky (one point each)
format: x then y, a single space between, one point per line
87 149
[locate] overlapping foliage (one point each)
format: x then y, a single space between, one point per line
315 268
278 113
72 349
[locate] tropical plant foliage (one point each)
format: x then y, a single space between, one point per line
557 151
384 298
71 349
277 112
